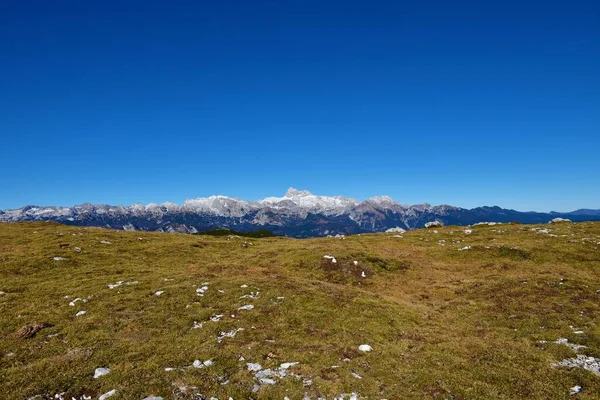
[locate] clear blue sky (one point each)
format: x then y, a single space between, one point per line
464 103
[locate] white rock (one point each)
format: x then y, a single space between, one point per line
254 367
575 389
114 285
246 307
58 258
197 325
556 220
363 275
98 372
365 348
465 248
105 242
202 364
433 224
468 231
581 361
357 376
107 394
396 230
158 293
229 334
72 303
201 290
80 313
355 262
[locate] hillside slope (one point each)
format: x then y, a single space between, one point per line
448 314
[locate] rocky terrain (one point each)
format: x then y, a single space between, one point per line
297 214
502 312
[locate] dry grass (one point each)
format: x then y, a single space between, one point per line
443 323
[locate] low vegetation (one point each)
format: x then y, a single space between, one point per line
200 316
261 233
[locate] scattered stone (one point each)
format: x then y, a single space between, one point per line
201 290
105 242
244 286
433 224
332 258
399 236
80 313
98 372
572 346
114 285
152 398
557 220
363 275
58 258
72 303
158 293
365 348
465 248
581 361
197 325
252 295
355 262
352 396
202 364
357 376
468 231
253 366
247 307
575 389
2 293
396 230
107 394
216 318
78 249
230 334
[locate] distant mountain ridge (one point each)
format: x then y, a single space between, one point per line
298 213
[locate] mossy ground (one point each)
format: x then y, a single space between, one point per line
443 324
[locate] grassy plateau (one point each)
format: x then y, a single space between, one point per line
191 316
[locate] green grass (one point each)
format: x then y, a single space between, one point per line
443 324
260 233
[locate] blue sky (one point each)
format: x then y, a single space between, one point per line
464 103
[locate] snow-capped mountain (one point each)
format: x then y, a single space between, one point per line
298 213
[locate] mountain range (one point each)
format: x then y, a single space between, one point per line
298 213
